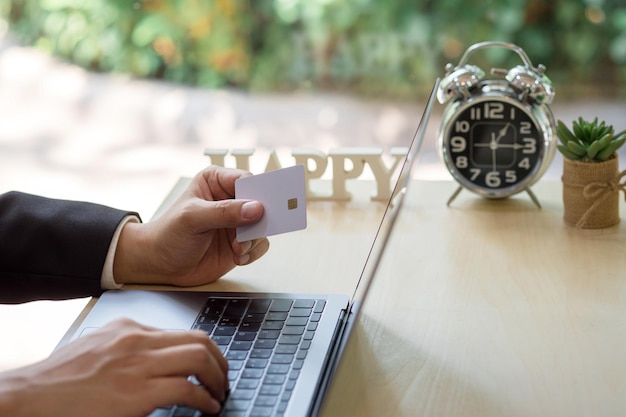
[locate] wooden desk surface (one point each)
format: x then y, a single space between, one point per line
484 308
490 308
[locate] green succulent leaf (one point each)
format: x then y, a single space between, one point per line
610 150
605 140
593 149
563 133
576 148
567 153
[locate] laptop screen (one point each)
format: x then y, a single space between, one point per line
393 207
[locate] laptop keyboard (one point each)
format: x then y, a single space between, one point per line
266 342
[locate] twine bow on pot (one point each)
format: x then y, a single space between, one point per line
599 192
591 193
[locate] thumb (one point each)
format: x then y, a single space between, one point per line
230 213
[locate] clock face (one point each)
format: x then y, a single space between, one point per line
494 146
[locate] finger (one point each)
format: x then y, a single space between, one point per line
145 337
162 339
222 214
187 360
254 250
178 390
220 181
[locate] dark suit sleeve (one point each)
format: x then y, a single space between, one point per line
52 249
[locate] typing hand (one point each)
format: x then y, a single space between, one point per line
122 370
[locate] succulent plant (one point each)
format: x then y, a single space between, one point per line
589 141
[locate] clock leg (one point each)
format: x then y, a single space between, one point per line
533 197
454 195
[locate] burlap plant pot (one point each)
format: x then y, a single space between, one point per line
591 193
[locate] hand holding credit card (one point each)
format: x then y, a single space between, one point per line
283 195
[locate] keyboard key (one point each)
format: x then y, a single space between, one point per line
286 396
207 328
297 364
297 330
249 327
257 363
304 303
274 379
237 405
280 305
229 321
272 325
261 353
312 326
182 411
281 358
236 308
216 301
213 311
238 355
315 317
242 394
265 344
300 312
278 369
234 365
276 316
221 340
269 334
289 340
259 306
296 321
224 331
270 390
295 374
308 335
261 411
253 318
247 383
286 349
301 354
265 401
240 345
305 345
208 320
252 373
319 306
290 385
247 336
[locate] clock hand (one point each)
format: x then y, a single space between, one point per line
493 144
502 132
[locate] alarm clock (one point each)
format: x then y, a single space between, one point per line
498 134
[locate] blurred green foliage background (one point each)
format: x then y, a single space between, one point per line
392 47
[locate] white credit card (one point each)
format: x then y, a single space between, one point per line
283 195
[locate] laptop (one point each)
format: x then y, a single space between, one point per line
282 348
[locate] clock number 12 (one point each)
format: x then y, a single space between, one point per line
491 110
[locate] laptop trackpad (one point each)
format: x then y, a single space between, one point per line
168 310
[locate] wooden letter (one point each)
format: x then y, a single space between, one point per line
216 156
304 156
357 157
382 173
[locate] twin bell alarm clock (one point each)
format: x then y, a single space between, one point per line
497 135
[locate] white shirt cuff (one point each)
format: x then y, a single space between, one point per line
107 281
